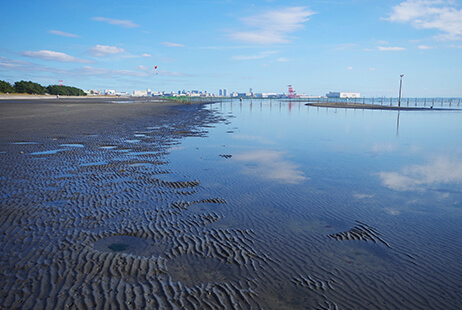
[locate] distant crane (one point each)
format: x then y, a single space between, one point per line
292 92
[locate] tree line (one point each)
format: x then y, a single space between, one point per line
29 87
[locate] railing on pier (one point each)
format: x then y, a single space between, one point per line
394 102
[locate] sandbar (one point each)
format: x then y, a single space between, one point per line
343 105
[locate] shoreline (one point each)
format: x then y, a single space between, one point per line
83 99
41 97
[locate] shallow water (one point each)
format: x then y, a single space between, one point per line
267 204
297 176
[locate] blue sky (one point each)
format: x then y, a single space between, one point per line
316 46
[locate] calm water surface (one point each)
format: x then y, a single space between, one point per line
356 209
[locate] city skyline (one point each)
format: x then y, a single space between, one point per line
319 46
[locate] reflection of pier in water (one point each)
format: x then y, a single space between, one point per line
261 102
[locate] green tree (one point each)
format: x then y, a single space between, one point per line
6 87
29 87
65 90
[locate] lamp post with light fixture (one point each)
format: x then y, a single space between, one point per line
400 86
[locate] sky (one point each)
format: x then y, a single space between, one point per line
315 46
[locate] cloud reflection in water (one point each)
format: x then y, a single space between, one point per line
269 164
441 170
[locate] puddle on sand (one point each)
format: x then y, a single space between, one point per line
130 245
72 145
24 143
108 147
193 270
122 101
50 152
131 140
142 153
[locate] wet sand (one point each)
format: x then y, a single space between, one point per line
88 219
92 216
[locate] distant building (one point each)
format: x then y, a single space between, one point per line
343 95
140 93
223 92
266 95
243 95
93 92
123 93
109 92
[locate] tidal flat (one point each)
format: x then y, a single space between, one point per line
252 205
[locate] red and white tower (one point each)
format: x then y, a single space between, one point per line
292 92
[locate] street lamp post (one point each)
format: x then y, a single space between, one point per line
400 86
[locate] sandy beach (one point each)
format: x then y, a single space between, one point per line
22 116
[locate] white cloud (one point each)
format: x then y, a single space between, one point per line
390 48
283 59
171 44
105 50
63 34
6 63
349 68
270 165
84 71
54 56
345 46
260 55
430 14
425 47
91 71
371 69
117 22
441 170
146 55
273 27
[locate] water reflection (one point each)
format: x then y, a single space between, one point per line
269 164
383 147
440 170
256 139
